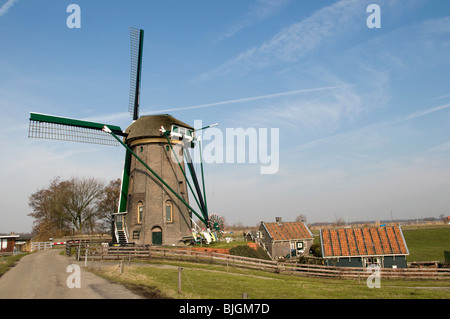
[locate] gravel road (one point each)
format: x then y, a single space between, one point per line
45 275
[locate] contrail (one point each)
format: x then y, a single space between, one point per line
247 99
7 6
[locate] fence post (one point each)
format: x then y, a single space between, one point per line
179 280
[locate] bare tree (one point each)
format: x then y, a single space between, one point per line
108 205
47 204
300 218
81 204
67 205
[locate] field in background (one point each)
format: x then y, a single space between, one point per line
209 281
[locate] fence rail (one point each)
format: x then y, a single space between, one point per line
42 245
98 252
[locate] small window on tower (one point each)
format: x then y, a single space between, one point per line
140 212
168 211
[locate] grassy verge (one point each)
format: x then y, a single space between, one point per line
7 262
427 244
207 281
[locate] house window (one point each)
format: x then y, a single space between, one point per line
168 212
376 261
140 212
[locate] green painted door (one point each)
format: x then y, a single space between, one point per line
157 236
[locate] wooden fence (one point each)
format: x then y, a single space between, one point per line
91 252
42 245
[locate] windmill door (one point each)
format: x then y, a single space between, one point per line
156 236
119 222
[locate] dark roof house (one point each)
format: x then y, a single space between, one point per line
7 243
361 247
285 239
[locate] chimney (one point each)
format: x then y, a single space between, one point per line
278 220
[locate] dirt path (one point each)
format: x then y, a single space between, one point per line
44 275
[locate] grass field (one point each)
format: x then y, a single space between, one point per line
208 281
427 244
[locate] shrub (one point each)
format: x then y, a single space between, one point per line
247 251
315 250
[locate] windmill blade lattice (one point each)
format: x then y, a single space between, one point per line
136 47
65 129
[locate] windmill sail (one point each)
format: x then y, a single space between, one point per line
66 129
136 47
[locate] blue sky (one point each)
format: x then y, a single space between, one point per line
363 114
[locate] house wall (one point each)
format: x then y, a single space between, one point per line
264 239
344 262
277 249
399 261
283 248
388 261
7 244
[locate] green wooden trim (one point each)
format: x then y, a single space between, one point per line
72 122
125 183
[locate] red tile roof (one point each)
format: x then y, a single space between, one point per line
288 230
371 241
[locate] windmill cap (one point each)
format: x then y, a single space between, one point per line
148 126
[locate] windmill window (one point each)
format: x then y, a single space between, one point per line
168 212
182 130
140 212
142 149
167 148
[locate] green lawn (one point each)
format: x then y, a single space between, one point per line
427 244
206 281
209 281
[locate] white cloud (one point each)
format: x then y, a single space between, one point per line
4 8
298 40
259 11
366 130
246 99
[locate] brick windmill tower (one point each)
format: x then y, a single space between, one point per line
154 203
154 214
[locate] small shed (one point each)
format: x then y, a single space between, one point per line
7 243
361 247
285 239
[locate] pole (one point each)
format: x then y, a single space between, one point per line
203 177
179 280
182 170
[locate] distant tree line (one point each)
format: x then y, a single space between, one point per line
76 206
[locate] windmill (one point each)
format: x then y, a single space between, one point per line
154 203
